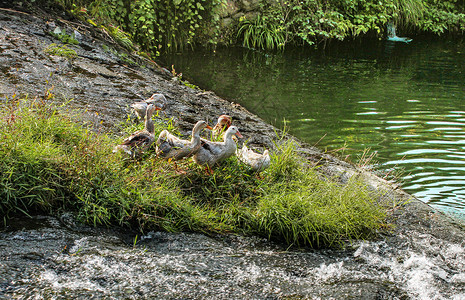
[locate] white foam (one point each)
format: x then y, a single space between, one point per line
416 267
330 272
79 245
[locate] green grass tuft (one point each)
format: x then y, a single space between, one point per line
60 50
48 163
262 33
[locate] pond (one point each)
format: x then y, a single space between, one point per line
405 103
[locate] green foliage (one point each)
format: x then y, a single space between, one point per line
48 162
161 25
60 50
308 22
444 16
121 37
63 37
171 25
262 34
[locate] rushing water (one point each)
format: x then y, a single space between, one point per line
42 259
403 101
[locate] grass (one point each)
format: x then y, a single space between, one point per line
262 34
49 163
60 50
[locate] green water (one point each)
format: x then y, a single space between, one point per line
406 102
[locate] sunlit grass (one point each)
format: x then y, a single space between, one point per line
51 163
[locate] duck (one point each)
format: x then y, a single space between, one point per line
140 107
141 140
172 147
211 153
256 161
223 123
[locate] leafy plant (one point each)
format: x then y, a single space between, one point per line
161 25
309 22
63 37
262 34
121 37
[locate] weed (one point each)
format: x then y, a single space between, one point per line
63 37
124 57
178 77
60 50
121 37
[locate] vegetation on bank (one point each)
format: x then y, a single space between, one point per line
50 163
309 22
171 25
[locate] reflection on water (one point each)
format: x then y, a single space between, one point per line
404 101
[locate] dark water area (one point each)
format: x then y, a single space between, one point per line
404 102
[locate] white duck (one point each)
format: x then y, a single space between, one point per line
170 146
158 100
256 161
211 153
140 140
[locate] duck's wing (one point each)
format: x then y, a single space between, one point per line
170 146
138 140
164 143
214 148
264 162
244 154
175 141
133 136
203 156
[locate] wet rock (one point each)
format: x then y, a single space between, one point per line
93 68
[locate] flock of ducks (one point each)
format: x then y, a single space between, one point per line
204 152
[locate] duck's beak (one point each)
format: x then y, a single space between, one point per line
239 135
158 108
209 127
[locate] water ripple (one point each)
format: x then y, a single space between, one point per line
398 103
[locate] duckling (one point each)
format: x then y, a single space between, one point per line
140 140
158 100
170 146
256 161
211 153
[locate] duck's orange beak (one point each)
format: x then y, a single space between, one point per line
158 108
209 127
239 135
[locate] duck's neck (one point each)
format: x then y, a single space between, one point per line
149 123
228 138
195 135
